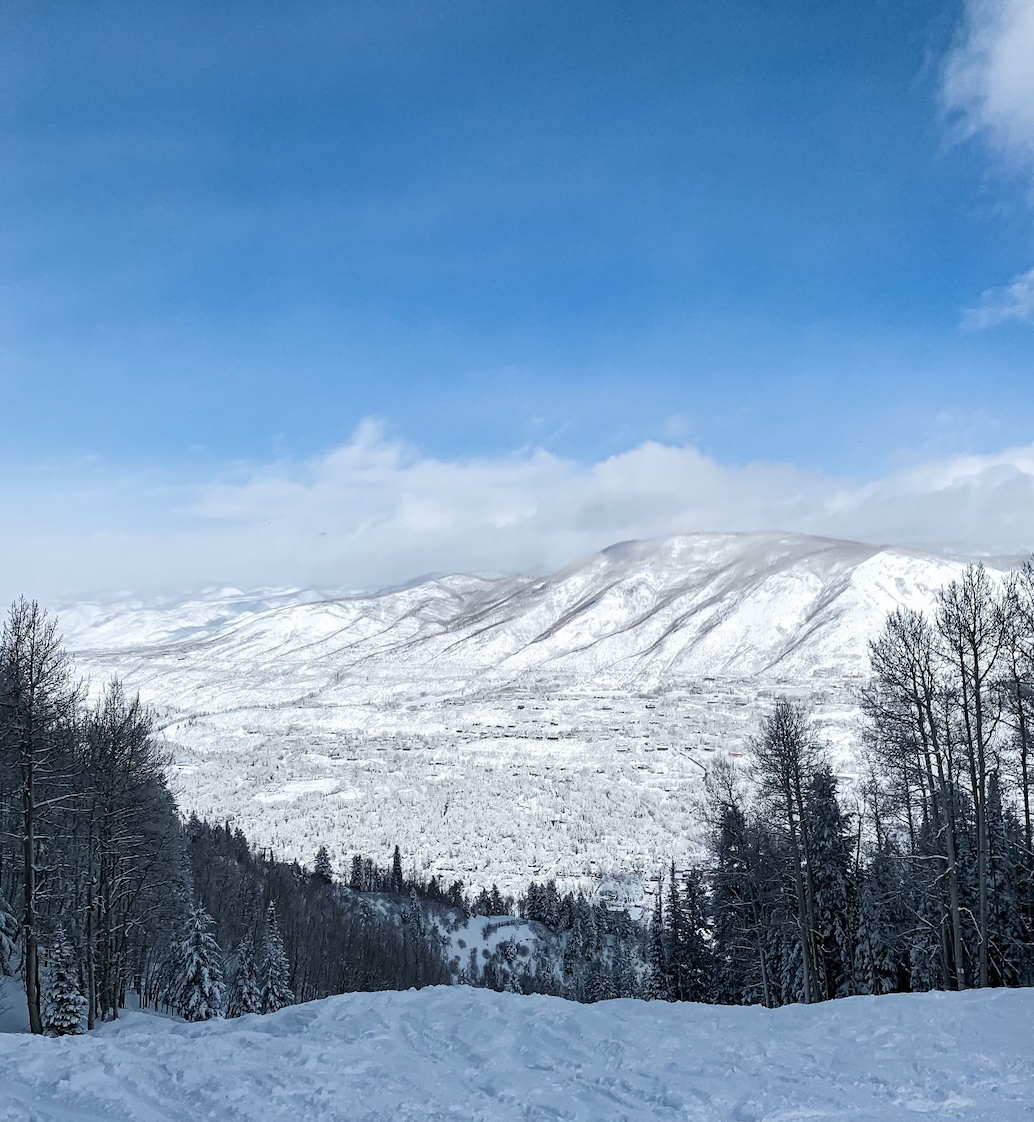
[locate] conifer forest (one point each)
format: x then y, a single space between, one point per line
918 876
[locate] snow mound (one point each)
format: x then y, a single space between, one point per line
462 1054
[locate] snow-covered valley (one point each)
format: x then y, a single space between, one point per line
464 1054
503 729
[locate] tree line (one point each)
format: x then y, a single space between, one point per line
105 891
924 879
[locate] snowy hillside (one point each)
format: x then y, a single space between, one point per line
509 728
466 1054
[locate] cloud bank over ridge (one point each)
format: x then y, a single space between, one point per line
375 512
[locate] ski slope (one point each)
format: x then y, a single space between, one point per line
460 1054
503 729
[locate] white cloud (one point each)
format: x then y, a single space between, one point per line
989 83
989 77
997 305
375 512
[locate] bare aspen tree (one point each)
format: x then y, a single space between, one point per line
970 622
904 704
37 701
130 840
1017 685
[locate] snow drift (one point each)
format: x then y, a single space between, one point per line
463 1054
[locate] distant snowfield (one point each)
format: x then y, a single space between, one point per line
462 1054
498 730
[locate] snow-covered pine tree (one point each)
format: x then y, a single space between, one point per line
244 995
626 977
1009 960
675 937
791 960
742 893
64 1007
875 961
495 902
550 903
321 869
658 984
275 971
398 882
595 987
829 882
355 881
924 951
197 979
697 959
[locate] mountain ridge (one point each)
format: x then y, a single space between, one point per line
560 725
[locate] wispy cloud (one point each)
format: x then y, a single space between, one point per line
989 84
375 512
998 305
989 76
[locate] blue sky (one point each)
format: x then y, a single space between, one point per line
230 232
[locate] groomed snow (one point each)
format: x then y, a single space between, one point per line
463 1054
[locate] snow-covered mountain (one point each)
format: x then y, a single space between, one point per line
503 728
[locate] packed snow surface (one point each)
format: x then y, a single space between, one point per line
459 1054
503 729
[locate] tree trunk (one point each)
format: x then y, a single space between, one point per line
91 973
32 994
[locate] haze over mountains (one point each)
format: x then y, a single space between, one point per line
498 729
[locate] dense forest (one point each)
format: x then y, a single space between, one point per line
921 877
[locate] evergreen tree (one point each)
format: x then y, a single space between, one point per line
675 939
455 895
875 954
741 894
625 972
599 985
924 951
398 882
355 881
791 960
697 960
322 869
197 980
658 983
550 902
275 970
244 995
1009 956
829 874
64 1007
